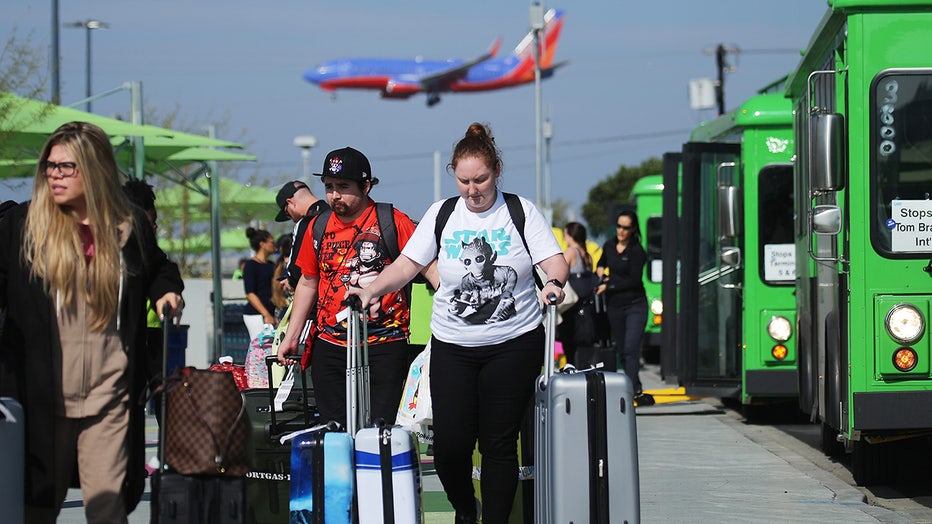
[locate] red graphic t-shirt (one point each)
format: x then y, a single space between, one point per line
352 254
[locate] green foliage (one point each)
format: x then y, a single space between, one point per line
22 73
613 191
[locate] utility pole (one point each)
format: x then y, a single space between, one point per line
720 64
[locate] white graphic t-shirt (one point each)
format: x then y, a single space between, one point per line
487 293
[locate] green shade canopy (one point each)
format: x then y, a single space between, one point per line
26 124
238 203
230 239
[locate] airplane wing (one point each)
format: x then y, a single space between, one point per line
438 79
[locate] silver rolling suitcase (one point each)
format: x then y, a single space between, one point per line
591 479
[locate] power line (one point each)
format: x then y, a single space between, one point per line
562 143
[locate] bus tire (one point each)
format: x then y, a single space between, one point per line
873 464
829 442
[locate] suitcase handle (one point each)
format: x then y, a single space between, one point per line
550 328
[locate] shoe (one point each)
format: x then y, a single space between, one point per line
465 519
644 399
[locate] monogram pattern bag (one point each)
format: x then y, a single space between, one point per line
206 428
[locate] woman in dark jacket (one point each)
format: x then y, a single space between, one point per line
623 286
77 264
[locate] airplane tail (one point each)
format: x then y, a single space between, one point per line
553 24
523 55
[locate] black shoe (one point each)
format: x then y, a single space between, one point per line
644 399
465 519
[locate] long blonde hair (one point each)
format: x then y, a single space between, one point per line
52 243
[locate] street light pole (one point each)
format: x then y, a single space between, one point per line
306 143
88 25
537 26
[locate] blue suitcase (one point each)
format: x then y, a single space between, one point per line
322 478
323 487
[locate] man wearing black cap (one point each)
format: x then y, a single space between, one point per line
353 233
296 202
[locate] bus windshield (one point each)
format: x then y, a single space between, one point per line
775 224
901 163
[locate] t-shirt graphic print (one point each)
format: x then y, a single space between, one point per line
486 292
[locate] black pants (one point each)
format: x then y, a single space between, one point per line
388 368
628 323
481 393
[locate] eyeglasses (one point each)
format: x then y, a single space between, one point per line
626 228
65 169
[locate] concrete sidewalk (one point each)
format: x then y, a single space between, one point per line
698 463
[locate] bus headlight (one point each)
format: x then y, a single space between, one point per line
905 323
656 307
780 329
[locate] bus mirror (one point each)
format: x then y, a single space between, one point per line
827 154
729 211
826 220
730 256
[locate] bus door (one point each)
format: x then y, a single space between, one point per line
710 275
672 169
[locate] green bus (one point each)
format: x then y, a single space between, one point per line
862 95
734 233
647 195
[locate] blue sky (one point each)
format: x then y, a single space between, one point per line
621 99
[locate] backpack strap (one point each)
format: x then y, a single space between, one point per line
385 215
446 209
513 202
320 227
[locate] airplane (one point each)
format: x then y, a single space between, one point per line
401 79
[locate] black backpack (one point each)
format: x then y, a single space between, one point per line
385 216
512 202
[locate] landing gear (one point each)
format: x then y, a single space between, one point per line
433 99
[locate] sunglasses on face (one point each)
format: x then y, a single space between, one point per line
626 228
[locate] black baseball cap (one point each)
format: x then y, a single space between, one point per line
287 191
348 163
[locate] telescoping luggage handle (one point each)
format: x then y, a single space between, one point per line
550 328
357 367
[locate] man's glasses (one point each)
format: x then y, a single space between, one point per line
626 228
65 169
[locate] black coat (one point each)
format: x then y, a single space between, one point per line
30 335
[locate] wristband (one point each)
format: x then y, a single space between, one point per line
555 282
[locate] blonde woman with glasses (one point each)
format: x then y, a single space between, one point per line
77 264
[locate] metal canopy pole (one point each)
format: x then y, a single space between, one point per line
215 252
139 152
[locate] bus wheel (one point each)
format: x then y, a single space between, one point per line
829 442
873 464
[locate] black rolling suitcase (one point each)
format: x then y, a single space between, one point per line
202 499
12 451
596 350
268 484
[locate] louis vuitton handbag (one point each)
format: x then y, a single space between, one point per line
207 431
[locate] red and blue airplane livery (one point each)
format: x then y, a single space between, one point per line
396 78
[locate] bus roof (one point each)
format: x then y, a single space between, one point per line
648 184
772 109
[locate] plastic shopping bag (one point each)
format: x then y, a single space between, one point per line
414 412
257 374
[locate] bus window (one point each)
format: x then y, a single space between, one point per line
901 163
775 224
654 261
